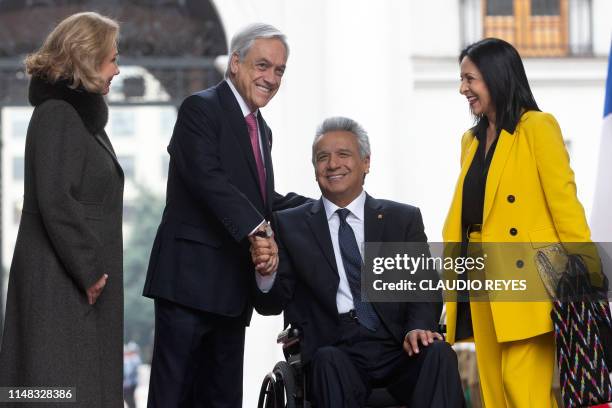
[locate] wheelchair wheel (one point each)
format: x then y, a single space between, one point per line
267 394
285 375
278 388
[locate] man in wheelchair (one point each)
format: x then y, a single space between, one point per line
350 346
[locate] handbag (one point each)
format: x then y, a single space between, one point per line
583 331
551 263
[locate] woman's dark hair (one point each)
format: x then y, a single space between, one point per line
503 72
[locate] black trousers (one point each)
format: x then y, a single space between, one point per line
197 359
343 375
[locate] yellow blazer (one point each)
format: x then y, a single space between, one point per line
530 189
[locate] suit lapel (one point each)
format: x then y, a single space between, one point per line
373 227
502 152
239 126
317 221
374 220
452 226
467 162
103 139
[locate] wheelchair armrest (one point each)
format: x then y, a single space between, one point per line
289 335
290 339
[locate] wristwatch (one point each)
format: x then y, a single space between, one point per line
266 232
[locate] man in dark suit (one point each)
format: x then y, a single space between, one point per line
349 344
220 191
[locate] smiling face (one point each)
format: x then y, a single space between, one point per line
108 69
258 76
339 168
473 87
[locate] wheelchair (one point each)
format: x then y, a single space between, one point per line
285 385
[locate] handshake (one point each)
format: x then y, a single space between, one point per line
264 251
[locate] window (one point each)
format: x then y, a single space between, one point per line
537 28
546 7
500 8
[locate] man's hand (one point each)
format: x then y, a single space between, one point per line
413 337
264 254
96 289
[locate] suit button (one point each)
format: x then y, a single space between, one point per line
511 198
513 231
520 263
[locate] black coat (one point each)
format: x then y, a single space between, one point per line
200 256
69 236
307 279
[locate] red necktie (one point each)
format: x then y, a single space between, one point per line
254 135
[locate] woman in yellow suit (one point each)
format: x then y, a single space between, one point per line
515 185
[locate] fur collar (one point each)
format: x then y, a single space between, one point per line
90 106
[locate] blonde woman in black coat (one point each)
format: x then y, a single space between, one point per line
64 312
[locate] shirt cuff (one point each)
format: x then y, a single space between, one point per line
257 227
265 283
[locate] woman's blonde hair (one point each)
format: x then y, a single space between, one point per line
74 51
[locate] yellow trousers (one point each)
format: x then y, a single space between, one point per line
513 374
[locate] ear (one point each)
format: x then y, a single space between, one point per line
366 163
234 62
366 168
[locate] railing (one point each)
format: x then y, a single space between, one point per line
151 80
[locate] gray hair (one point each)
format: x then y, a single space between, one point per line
340 123
243 40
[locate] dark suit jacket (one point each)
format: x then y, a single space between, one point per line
200 256
307 279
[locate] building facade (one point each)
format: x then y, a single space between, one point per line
391 65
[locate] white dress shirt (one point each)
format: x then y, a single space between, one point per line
344 297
